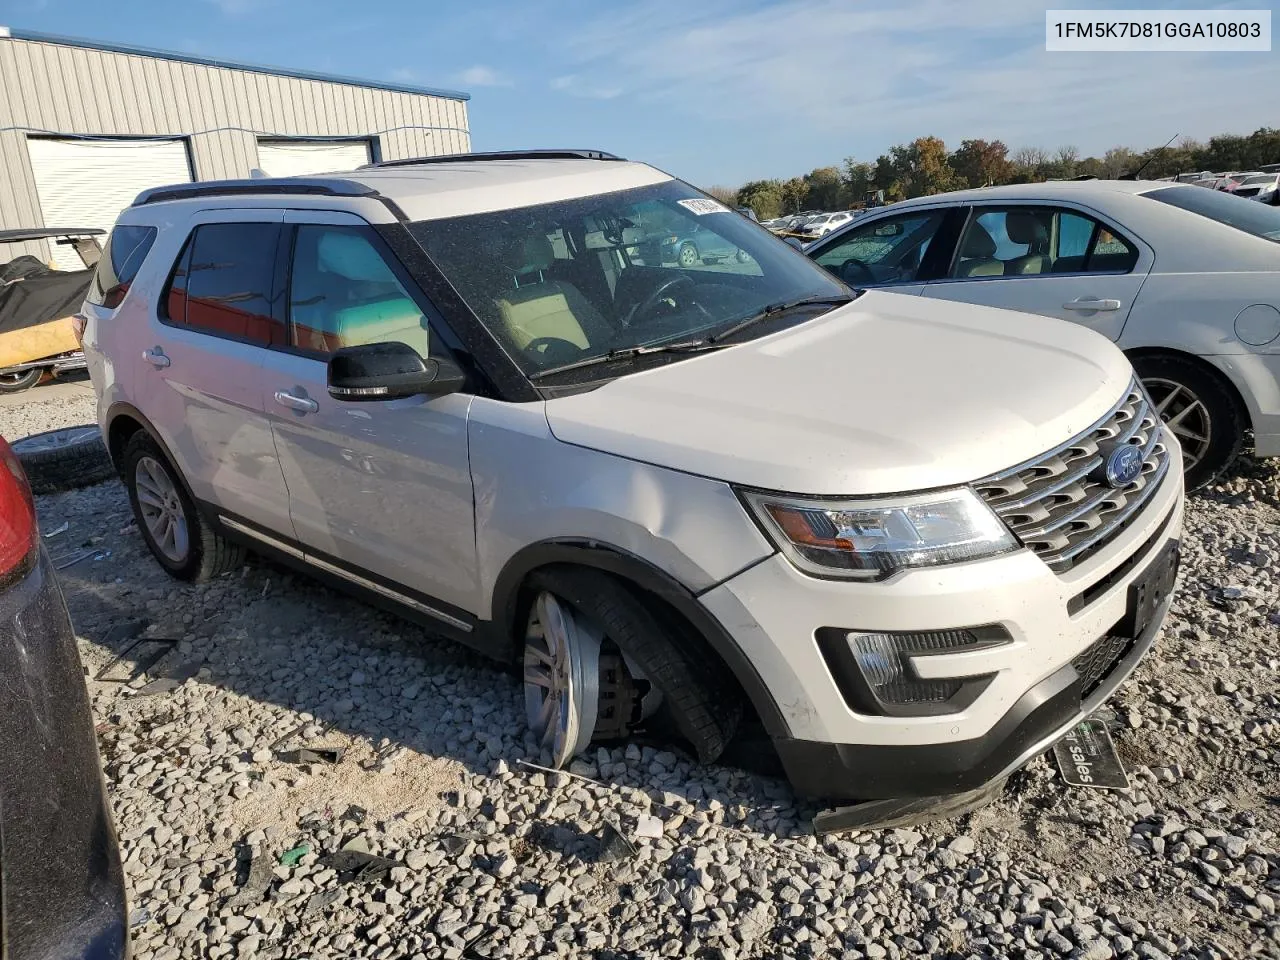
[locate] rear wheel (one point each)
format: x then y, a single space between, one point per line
598 662
20 380
178 536
1199 409
688 256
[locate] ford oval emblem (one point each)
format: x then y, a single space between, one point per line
1123 465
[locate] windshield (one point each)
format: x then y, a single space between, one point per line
1258 178
566 282
1257 219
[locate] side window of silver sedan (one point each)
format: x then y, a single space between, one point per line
1039 240
888 250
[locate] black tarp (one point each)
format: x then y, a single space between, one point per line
41 296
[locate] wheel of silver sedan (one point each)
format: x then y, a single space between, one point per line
1185 415
161 509
561 677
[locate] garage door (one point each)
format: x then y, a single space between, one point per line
86 183
298 158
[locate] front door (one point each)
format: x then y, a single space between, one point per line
1047 259
201 362
379 491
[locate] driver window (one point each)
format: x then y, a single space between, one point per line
888 250
343 294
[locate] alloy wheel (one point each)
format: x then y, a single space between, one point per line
161 509
1185 415
561 677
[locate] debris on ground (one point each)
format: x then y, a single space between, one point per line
255 885
137 658
290 857
613 845
60 529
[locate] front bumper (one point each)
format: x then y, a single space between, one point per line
775 615
61 884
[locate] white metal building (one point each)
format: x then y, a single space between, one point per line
85 126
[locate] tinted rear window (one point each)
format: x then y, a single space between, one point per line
126 248
1257 219
223 282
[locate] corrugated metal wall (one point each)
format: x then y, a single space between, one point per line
48 88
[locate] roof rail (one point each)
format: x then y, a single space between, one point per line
287 185
497 155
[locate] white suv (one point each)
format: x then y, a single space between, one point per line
917 540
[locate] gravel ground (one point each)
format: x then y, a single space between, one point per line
492 859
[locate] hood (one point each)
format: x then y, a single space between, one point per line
887 394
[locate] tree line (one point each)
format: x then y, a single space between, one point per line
925 166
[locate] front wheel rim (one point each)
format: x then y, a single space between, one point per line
1185 415
561 677
161 509
688 257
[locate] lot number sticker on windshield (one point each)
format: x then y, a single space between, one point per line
698 206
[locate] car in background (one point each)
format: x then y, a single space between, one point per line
690 247
1186 281
61 884
1258 186
749 213
823 224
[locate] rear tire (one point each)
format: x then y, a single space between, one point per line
64 459
1199 409
19 381
702 702
688 255
198 553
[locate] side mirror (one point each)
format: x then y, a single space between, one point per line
794 242
387 371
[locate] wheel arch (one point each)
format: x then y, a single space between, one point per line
640 575
125 420
1246 414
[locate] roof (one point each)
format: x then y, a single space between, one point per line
46 233
442 188
1047 190
126 48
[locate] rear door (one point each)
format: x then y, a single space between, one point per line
379 492
1057 260
200 371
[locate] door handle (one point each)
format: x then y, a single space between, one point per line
156 358
1088 304
294 402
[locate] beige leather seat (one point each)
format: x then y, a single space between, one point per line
977 255
1026 228
536 306
345 295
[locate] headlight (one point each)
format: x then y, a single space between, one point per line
871 539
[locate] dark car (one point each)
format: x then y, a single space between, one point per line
688 248
61 884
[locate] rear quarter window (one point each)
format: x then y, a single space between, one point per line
1248 216
126 248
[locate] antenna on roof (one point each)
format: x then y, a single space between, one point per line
257 173
1154 154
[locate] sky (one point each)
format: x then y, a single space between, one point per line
719 92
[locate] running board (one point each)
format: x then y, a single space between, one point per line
354 578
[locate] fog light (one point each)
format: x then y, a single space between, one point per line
882 657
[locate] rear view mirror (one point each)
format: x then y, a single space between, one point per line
889 230
387 371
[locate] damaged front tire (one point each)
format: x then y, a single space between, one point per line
577 613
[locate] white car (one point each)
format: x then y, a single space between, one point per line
1186 281
1258 186
823 224
918 540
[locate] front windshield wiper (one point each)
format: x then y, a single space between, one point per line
624 353
773 310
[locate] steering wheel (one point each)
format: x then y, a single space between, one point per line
651 302
553 348
861 267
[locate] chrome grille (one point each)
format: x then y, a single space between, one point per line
1060 506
